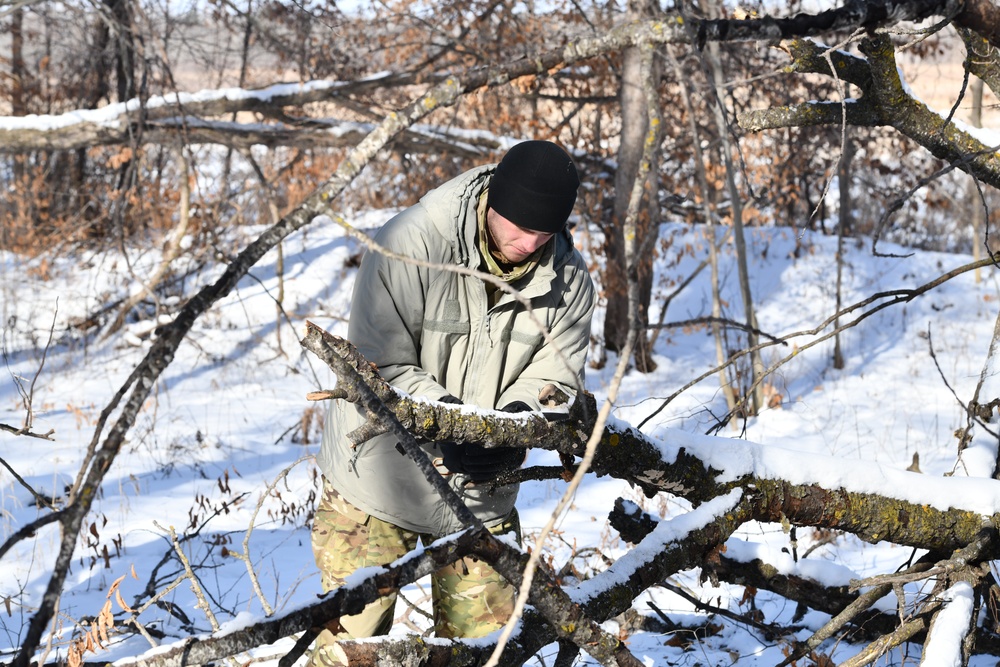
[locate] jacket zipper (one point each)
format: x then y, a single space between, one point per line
478 361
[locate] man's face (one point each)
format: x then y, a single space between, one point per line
514 243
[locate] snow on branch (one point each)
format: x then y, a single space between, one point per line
874 502
186 117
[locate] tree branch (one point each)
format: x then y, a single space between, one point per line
346 600
853 15
884 101
681 469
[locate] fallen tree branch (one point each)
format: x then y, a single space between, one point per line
679 465
681 544
345 600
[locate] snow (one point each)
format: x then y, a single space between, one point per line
112 113
229 419
666 533
736 459
950 626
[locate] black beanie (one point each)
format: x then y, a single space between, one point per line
535 186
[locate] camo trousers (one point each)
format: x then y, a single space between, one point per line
469 598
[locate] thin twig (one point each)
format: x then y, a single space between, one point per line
245 556
719 320
195 584
891 297
878 648
40 500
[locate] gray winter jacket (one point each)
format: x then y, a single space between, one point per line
431 334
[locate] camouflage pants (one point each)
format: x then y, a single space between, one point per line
469 598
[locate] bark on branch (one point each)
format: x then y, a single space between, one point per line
680 469
884 102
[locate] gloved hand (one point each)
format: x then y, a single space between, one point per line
451 452
451 456
516 406
483 464
479 463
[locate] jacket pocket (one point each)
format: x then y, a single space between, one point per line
448 320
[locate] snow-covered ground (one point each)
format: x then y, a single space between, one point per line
227 437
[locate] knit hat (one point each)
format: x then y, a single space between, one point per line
534 186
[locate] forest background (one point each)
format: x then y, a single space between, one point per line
145 130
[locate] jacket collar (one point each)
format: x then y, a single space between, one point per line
458 200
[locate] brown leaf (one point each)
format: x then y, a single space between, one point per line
114 585
121 603
749 593
75 658
821 659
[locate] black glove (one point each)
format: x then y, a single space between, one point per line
479 463
451 452
516 406
485 465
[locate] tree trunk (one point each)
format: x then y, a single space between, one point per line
18 107
755 385
843 230
975 197
18 72
708 196
124 48
635 126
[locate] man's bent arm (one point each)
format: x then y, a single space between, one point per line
561 361
388 308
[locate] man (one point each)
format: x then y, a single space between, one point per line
457 338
